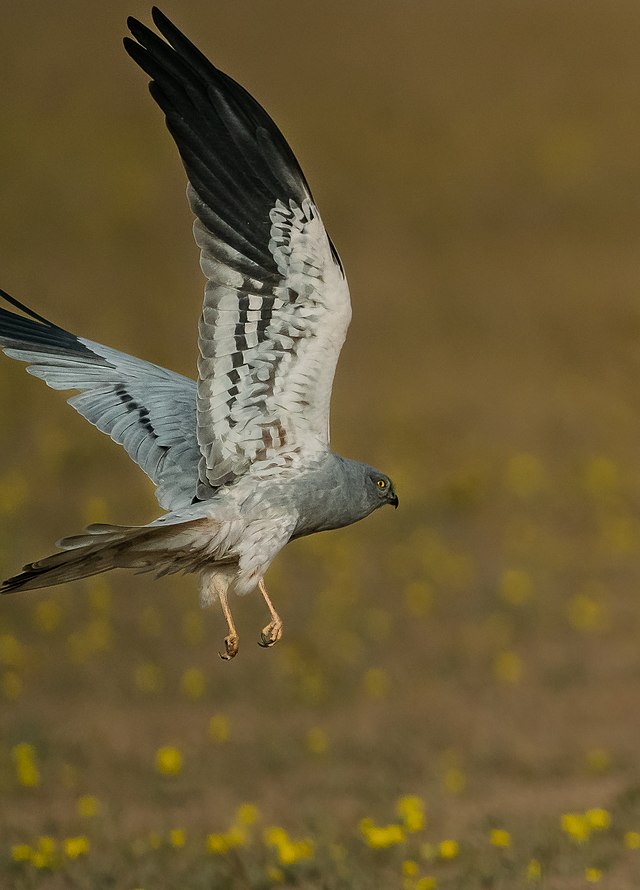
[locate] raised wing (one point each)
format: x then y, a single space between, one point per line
276 307
148 410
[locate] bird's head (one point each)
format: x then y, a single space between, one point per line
380 489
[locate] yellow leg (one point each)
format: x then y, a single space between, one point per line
273 631
231 640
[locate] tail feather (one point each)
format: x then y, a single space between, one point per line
186 546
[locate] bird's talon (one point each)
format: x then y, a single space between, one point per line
270 634
231 647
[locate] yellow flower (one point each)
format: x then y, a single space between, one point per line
409 868
598 760
592 875
193 683
380 837
598 819
217 843
168 760
247 814
24 758
289 851
275 874
47 614
317 741
88 806
21 852
534 870
12 652
75 846
507 667
587 611
426 883
12 685
576 826
632 840
448 849
454 780
516 587
410 808
219 728
376 683
500 838
177 837
418 598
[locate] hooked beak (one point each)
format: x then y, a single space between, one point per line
394 500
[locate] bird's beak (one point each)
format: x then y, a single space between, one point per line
394 500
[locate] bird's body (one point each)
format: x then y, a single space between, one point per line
241 457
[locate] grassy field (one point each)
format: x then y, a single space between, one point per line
455 702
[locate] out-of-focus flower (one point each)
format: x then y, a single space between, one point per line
47 615
534 870
632 840
576 826
316 740
507 667
74 847
516 587
289 851
12 652
247 814
593 875
499 838
168 760
598 819
193 683
11 685
24 758
219 728
418 598
448 849
597 760
410 808
380 837
177 837
88 806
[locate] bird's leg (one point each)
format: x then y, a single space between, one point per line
273 631
231 640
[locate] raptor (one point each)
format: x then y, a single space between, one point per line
240 457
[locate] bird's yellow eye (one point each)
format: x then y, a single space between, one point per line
381 483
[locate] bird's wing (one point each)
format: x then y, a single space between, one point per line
276 307
148 410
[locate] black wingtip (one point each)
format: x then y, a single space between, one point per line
21 306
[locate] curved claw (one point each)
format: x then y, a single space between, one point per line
270 634
231 646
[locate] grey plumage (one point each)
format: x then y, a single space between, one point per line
241 457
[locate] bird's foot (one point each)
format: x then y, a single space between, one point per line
270 634
231 646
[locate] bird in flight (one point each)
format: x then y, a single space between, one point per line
240 457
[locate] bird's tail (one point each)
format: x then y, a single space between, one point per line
162 549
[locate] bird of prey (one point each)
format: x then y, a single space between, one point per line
241 457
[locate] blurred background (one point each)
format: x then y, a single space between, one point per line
455 700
